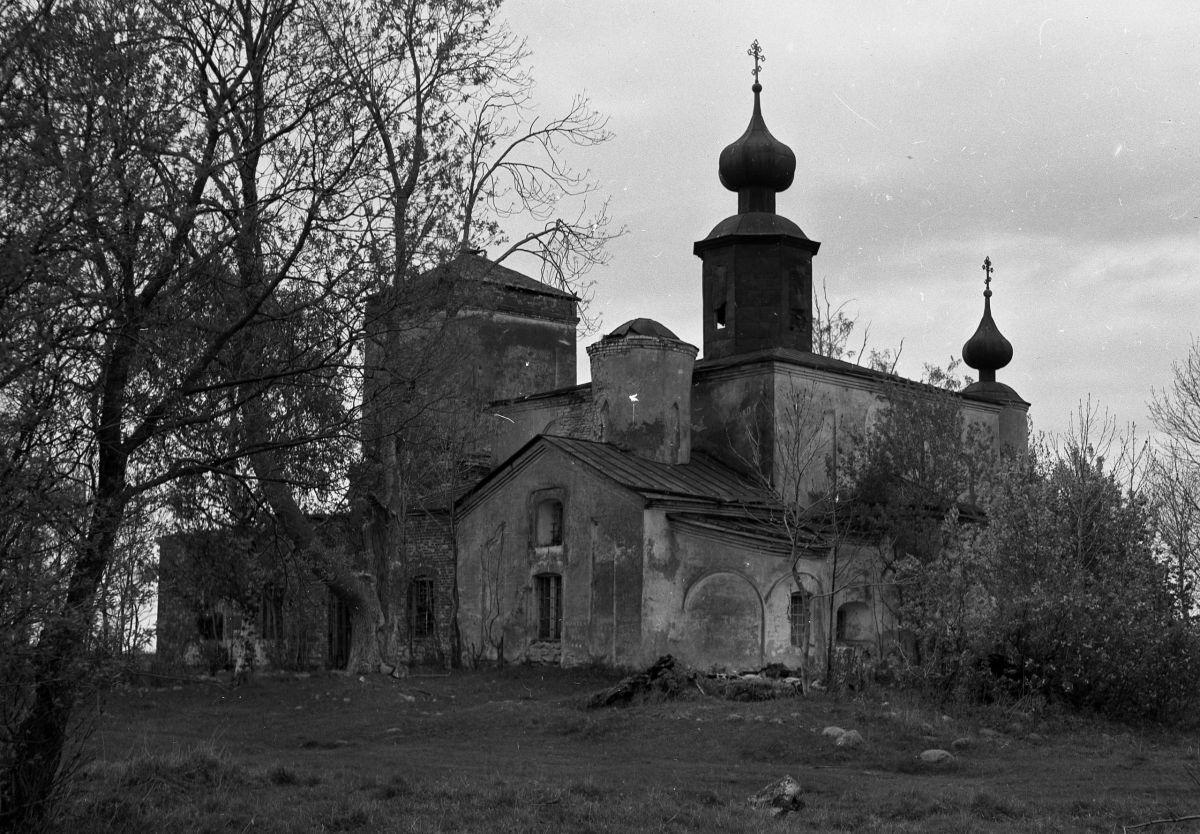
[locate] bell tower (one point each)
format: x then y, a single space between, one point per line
757 273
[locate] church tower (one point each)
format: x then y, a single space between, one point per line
757 274
987 351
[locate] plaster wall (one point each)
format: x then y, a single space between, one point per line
716 602
599 560
513 424
516 355
642 392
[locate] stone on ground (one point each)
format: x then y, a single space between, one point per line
833 732
850 738
779 798
936 756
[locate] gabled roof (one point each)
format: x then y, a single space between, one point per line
704 479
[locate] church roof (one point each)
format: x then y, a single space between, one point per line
704 479
642 327
477 268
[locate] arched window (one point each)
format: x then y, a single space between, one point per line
421 619
799 612
549 523
548 587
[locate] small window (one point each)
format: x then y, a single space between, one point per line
798 613
719 316
270 612
549 606
420 607
549 524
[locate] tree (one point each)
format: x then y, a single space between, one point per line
1057 592
1174 491
1176 475
202 197
439 94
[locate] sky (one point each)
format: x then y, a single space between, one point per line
1061 139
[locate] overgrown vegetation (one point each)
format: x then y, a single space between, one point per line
1042 575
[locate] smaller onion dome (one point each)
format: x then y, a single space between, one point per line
757 165
987 351
642 327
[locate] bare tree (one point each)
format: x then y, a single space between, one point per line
1175 477
440 97
1174 492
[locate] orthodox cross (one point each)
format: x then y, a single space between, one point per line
987 268
755 52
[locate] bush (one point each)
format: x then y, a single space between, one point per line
1057 594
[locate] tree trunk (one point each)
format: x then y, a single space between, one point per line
40 738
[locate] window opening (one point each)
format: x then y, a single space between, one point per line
719 315
853 622
549 606
270 612
420 607
211 625
798 612
549 523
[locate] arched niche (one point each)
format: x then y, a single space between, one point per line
722 622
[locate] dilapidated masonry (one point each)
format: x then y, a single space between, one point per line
650 511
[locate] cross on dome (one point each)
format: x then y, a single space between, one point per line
755 52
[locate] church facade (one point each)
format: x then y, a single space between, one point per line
646 512
662 507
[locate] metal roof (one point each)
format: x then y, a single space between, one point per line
473 267
703 478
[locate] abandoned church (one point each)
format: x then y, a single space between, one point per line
671 505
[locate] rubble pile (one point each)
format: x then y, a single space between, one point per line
667 679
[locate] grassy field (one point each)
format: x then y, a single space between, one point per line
511 750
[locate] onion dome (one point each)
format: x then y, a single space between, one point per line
642 327
987 351
757 165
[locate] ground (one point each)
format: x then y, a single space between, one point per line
513 750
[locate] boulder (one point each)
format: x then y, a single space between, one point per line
850 738
833 732
778 798
961 743
936 756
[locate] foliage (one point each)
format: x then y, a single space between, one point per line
199 201
1058 593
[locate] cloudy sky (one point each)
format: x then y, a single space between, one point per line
1062 139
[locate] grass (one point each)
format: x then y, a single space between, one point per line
512 751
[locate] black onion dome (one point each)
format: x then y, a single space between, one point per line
757 160
987 351
642 327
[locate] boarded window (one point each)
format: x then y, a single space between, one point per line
549 606
798 613
549 523
420 607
